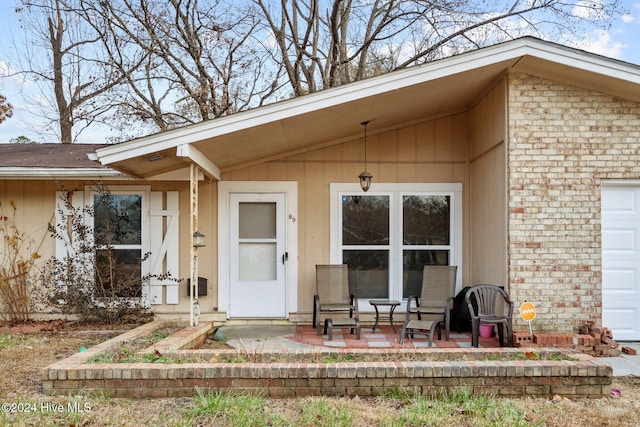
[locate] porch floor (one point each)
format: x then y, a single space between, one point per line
384 337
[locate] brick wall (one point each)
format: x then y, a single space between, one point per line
499 371
563 142
588 377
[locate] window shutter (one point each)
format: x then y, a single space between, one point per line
64 227
62 214
164 247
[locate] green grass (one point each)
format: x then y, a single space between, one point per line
456 407
10 340
531 355
323 411
232 409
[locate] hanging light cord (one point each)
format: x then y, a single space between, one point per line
365 143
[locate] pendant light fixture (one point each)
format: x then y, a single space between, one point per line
365 176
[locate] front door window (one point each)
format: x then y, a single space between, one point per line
257 241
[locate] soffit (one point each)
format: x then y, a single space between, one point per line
604 82
340 122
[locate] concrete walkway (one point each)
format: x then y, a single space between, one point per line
273 338
262 338
625 364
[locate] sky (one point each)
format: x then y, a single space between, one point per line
621 41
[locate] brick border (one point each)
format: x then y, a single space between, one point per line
586 377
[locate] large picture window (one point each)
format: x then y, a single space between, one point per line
386 237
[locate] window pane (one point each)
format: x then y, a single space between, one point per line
118 273
413 263
426 220
118 219
257 220
258 261
368 273
365 220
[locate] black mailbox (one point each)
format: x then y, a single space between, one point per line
202 287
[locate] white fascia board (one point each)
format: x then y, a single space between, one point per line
60 173
587 61
190 152
508 51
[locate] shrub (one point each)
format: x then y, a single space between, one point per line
95 280
17 268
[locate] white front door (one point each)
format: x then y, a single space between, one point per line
257 283
621 261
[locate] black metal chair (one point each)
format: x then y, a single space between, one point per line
482 301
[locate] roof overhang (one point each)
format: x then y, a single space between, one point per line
24 173
333 116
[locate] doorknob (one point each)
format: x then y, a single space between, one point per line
285 257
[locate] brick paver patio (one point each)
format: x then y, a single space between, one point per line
384 337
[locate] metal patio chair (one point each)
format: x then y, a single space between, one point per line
435 301
484 302
334 296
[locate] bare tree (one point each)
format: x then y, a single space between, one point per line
62 55
6 109
151 65
201 60
324 44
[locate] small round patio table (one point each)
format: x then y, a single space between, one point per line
384 303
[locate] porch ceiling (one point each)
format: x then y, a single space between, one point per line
342 122
269 139
334 116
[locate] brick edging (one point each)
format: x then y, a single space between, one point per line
586 377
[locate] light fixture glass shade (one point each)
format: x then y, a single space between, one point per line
198 240
365 180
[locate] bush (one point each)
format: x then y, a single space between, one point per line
95 280
17 267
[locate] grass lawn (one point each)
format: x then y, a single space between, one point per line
23 357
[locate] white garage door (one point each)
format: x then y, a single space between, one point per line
621 261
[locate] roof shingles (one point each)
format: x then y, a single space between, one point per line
72 156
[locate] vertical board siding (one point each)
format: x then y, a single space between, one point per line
431 151
487 195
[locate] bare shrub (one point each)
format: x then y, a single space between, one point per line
17 267
96 280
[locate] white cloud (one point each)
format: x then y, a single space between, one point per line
627 19
601 42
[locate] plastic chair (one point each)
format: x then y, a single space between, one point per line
483 308
435 301
333 294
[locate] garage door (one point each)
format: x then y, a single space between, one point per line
621 261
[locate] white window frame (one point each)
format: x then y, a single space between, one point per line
145 192
395 192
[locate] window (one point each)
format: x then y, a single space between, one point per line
387 236
118 236
426 232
